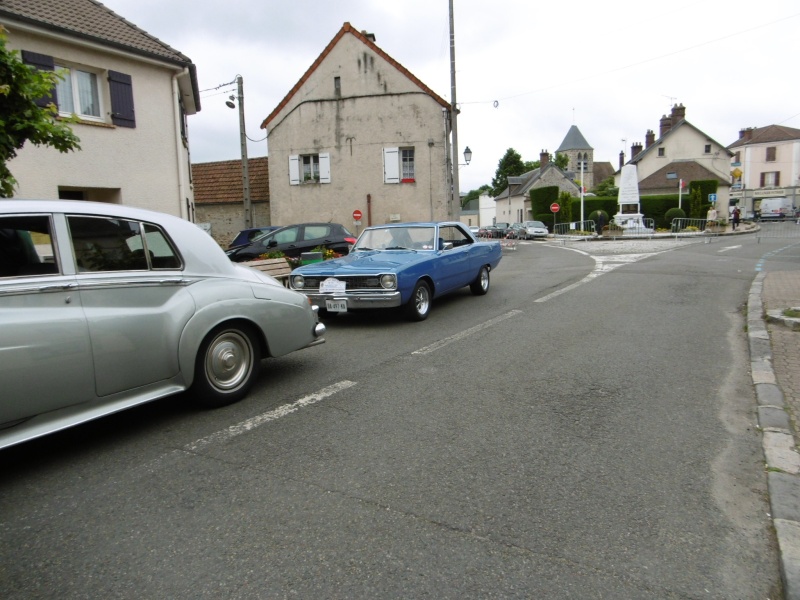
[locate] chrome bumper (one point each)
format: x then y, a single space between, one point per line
358 300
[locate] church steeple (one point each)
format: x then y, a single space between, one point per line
579 153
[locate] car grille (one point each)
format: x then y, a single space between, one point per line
359 282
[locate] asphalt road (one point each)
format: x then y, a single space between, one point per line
585 430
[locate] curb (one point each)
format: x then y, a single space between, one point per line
778 442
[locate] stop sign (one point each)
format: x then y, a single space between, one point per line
554 207
357 215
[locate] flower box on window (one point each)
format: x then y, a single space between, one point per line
408 180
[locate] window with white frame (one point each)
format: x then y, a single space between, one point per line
407 163
398 165
78 93
83 91
310 168
770 179
771 153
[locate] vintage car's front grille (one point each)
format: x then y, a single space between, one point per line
359 282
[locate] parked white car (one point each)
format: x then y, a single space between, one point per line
534 229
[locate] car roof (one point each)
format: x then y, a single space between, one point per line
201 253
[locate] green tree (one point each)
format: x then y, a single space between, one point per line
606 188
21 118
565 202
560 160
510 165
473 194
696 204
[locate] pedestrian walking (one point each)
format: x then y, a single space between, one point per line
736 217
601 220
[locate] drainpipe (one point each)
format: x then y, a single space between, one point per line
369 210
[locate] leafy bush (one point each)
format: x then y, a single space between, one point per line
674 213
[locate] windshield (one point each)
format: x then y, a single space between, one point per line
397 238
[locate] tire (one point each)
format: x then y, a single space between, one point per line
226 366
419 305
480 286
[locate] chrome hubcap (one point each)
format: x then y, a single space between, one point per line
229 360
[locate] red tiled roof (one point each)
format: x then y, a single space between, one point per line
221 182
347 28
768 134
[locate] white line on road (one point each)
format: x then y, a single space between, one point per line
257 421
467 332
726 248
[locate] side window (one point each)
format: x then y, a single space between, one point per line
454 235
26 246
106 244
313 232
161 252
286 236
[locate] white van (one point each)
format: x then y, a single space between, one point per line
775 208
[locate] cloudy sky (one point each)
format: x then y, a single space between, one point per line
525 71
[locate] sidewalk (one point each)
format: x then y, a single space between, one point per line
775 367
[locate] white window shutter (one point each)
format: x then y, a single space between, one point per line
391 165
294 169
324 167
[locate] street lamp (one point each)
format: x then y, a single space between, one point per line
467 155
248 218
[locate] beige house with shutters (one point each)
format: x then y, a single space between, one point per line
131 93
765 164
358 132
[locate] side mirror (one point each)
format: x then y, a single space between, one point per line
447 246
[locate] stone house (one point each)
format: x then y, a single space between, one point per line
681 152
131 93
513 204
219 196
358 131
765 164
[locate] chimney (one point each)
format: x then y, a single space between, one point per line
664 125
544 159
746 134
369 36
649 138
636 148
621 159
678 114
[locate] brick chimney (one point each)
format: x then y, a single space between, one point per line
649 138
664 125
636 148
621 159
544 159
746 134
678 114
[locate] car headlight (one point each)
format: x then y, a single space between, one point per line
298 281
389 281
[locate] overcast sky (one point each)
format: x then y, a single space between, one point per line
525 71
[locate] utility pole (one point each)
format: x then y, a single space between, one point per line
248 208
455 200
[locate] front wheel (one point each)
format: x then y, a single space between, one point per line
226 365
481 284
418 307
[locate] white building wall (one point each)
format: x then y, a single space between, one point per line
487 210
145 166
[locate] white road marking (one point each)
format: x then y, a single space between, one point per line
726 248
467 332
250 424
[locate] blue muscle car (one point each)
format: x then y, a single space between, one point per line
400 264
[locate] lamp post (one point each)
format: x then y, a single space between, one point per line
248 209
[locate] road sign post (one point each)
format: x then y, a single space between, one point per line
554 208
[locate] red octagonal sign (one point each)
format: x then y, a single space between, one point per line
554 207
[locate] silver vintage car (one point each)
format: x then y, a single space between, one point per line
103 307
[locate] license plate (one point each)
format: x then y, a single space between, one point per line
336 305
